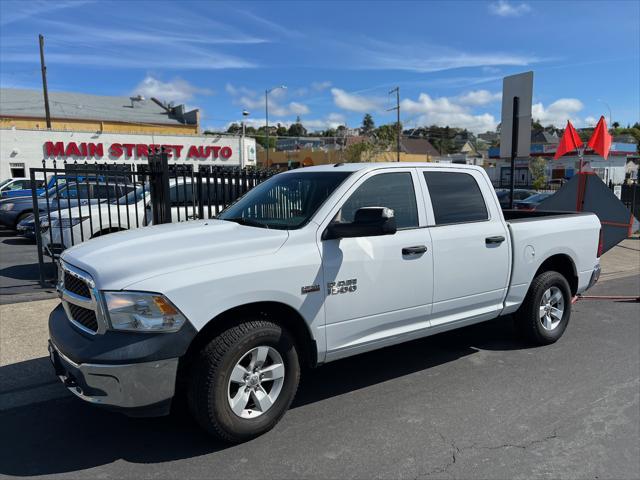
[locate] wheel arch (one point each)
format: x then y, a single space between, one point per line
563 264
277 312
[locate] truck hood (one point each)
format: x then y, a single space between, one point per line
120 259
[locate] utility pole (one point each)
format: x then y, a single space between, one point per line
266 115
397 108
43 67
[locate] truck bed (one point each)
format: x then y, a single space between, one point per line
539 235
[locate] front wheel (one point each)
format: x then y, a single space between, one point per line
544 315
244 380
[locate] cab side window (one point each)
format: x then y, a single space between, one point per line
456 198
391 190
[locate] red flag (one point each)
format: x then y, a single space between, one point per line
600 141
569 142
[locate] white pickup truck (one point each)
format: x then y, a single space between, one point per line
310 266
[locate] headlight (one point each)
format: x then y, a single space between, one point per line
7 206
142 312
67 222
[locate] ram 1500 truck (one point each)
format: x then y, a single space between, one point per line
310 266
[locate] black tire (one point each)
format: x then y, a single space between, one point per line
210 374
527 318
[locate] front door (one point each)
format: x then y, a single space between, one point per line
378 288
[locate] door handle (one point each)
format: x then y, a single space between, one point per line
496 239
417 250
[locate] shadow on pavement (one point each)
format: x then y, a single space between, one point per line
27 271
18 241
66 435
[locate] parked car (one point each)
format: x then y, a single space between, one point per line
77 225
532 202
14 210
18 187
308 267
518 194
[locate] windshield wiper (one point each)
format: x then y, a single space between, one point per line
247 221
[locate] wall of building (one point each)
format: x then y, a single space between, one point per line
97 126
27 148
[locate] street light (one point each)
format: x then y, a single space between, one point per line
602 101
245 114
266 111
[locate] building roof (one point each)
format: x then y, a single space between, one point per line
542 136
417 146
16 102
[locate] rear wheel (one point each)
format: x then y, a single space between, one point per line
544 315
244 380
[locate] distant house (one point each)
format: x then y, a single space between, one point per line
417 146
544 137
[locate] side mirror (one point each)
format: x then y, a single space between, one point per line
367 222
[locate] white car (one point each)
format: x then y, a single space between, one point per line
73 226
310 266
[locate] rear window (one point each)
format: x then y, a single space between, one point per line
456 198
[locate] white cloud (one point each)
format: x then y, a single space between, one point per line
558 112
447 111
375 54
250 99
590 121
479 97
320 86
177 90
356 103
503 8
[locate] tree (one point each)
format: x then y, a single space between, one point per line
615 124
367 124
234 128
262 141
329 132
281 131
537 168
354 153
297 130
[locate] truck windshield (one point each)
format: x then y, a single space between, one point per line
286 201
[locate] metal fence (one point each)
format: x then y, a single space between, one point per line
87 200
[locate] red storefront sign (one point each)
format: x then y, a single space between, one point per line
132 150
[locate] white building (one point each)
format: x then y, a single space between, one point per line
24 149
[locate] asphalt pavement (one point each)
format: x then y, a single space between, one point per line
19 274
471 403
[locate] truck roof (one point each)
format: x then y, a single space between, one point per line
355 167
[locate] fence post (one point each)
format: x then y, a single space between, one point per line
36 224
200 193
159 187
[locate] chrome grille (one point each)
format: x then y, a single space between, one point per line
80 299
84 317
76 285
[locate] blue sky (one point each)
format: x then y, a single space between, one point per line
338 59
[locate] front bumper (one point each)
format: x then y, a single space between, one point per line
128 371
138 387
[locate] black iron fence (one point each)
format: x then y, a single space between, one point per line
87 200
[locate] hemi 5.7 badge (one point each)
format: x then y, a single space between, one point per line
343 286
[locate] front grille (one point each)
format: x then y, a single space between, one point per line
84 316
75 285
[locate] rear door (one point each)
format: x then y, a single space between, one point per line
471 250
